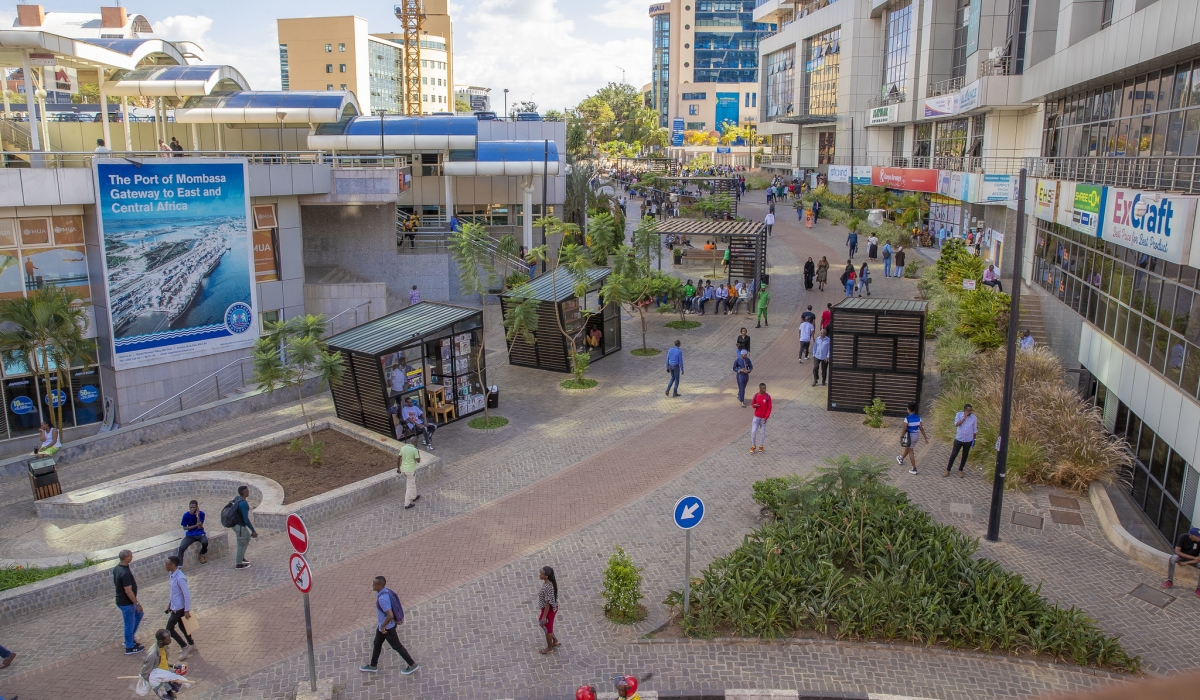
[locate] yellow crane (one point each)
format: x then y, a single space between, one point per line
411 14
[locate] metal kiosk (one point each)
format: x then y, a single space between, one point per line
557 303
877 349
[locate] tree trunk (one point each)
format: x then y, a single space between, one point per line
312 440
642 315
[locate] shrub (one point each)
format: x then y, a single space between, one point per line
955 357
942 318
983 317
14 576
850 556
874 413
623 589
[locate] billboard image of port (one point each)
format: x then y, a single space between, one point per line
178 258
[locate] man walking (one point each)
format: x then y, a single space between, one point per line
806 334
127 602
674 368
179 608
899 261
193 525
763 300
912 425
742 367
887 259
758 424
820 353
965 428
388 613
243 529
852 243
409 458
769 221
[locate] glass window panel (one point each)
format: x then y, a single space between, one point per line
1176 353
1167 519
1190 380
1122 417
1183 308
1151 103
1174 133
1146 339
1181 525
1158 140
1138 491
1122 324
1121 139
1153 502
1194 100
1138 98
1164 90
1132 435
1158 459
1176 468
1191 133
1158 347
1110 319
1090 298
1179 96
1145 137
1166 303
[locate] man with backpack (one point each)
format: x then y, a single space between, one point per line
236 514
389 614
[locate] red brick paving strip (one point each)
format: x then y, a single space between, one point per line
251 633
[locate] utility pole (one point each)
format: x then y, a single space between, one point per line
1010 367
506 103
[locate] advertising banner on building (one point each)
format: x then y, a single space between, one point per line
997 189
1155 223
1080 207
677 132
862 174
1045 199
838 173
968 97
912 179
941 106
883 115
178 258
956 185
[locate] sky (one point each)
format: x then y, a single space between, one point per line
553 52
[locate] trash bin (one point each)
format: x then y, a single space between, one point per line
493 397
43 478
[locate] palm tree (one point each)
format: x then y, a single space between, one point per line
45 331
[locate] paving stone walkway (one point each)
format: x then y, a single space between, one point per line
574 475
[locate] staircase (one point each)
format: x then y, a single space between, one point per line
1031 315
15 135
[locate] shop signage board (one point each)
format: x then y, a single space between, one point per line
43 59
862 174
998 189
1045 199
969 97
838 173
1155 223
724 149
178 258
941 106
883 115
1080 207
912 179
677 132
957 185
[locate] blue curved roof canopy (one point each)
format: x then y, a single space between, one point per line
508 158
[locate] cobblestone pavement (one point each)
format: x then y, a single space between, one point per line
573 475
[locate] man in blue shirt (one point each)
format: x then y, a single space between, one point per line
912 425
385 630
674 368
820 353
179 608
243 530
193 524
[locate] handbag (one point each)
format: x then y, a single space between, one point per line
906 437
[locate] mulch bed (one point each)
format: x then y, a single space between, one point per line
344 461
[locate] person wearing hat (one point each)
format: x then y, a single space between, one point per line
742 367
1187 552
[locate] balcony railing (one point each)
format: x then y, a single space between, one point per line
1166 174
807 7
892 98
995 66
83 159
776 159
943 87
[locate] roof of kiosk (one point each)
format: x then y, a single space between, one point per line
412 323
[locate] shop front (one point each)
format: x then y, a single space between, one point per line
594 328
429 356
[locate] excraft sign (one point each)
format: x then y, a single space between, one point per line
1154 223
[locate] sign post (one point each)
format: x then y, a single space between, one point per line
301 575
689 511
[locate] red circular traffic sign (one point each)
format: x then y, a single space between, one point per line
300 572
297 532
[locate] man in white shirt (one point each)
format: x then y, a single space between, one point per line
806 334
770 222
721 292
101 149
965 429
398 379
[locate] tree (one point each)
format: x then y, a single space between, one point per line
304 354
523 106
574 263
471 250
603 237
699 138
633 281
45 331
462 105
554 115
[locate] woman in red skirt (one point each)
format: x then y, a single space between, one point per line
548 607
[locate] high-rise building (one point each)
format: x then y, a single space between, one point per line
338 53
705 62
479 98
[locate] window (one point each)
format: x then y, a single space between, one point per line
342 87
342 48
1106 12
268 317
962 18
781 83
695 126
328 67
950 138
975 150
825 144
895 47
329 86
693 110
660 89
283 66
897 142
341 67
922 140
781 144
822 60
694 96
328 48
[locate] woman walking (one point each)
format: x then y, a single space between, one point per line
810 270
822 273
847 278
864 280
873 247
548 607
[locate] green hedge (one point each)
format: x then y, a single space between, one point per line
850 556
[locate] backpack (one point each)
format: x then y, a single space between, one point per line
230 515
397 608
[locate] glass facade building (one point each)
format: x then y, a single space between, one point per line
895 49
660 76
822 59
781 83
387 77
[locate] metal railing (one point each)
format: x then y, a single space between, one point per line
995 66
807 7
1169 174
892 98
346 319
943 87
776 159
83 159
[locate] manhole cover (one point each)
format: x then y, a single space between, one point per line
1064 502
1153 596
961 509
1027 520
1066 517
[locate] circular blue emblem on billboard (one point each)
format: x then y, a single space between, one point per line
239 317
22 405
88 393
56 398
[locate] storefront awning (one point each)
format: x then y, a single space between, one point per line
410 324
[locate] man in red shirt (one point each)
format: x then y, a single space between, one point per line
826 316
762 411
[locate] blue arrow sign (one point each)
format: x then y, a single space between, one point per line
689 511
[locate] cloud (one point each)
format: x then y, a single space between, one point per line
530 47
257 61
625 14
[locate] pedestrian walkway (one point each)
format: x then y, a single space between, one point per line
576 474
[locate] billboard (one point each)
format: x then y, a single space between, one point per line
1080 207
838 173
178 258
883 115
998 189
1154 223
677 132
1045 202
913 179
941 106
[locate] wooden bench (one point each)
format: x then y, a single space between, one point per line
699 254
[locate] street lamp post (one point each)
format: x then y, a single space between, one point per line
506 103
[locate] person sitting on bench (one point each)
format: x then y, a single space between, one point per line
414 419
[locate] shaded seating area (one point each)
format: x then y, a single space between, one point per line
594 327
745 240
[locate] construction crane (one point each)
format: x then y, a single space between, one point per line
411 14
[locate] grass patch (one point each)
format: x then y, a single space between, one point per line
14 576
585 383
487 423
645 352
682 325
849 556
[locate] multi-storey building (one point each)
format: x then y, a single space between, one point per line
338 53
479 98
1100 101
705 63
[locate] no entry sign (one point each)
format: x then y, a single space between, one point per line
300 573
297 533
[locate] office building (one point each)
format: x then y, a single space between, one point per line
338 53
1100 101
705 62
479 98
